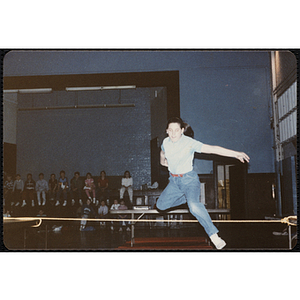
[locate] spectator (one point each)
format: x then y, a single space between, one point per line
6 214
18 189
102 190
90 187
63 186
115 206
87 212
41 187
123 217
127 183
102 211
52 187
8 192
76 189
29 190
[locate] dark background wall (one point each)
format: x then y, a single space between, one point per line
224 95
86 140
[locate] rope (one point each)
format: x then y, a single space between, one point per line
286 220
40 219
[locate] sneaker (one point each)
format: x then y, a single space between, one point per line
39 203
18 203
217 241
32 203
65 203
73 202
112 227
80 202
82 227
94 200
44 202
57 203
24 203
128 229
12 203
97 202
120 229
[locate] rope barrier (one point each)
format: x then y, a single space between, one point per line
40 220
291 220
287 220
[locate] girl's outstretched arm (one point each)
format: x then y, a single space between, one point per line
241 156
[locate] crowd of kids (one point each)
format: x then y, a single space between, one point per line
63 198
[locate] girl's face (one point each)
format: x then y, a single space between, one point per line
174 131
127 175
102 174
88 176
62 175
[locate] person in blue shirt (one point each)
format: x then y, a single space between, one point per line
63 187
177 153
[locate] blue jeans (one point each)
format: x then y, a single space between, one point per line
186 189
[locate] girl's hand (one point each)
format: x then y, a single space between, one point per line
241 156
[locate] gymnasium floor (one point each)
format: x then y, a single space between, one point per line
187 237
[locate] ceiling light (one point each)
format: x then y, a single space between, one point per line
43 90
10 91
99 88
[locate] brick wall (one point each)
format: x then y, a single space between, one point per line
86 140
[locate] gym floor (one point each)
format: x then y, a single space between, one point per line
186 237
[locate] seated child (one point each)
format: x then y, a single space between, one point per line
63 186
90 187
87 212
18 189
29 190
123 217
115 206
52 187
127 185
102 189
8 193
76 189
41 187
102 211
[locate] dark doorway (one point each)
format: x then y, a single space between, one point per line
9 158
237 185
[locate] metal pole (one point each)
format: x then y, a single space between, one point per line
46 238
290 237
132 230
24 238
